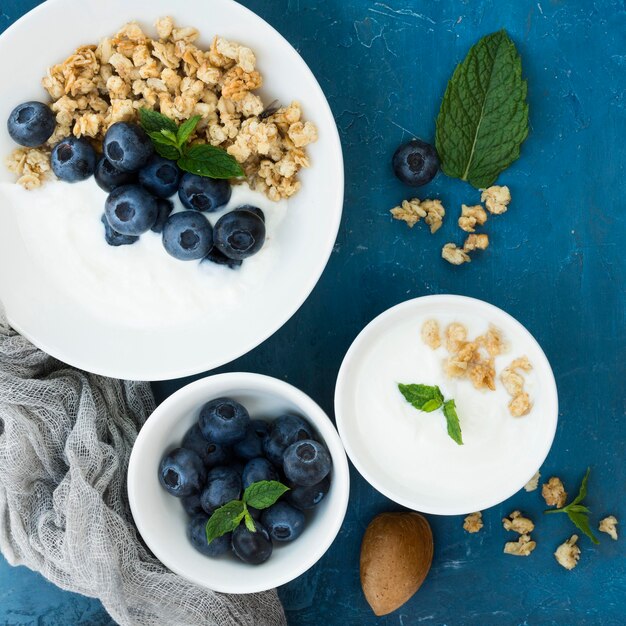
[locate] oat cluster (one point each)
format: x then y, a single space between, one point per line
554 493
457 256
516 522
568 553
608 525
100 85
413 210
473 522
513 382
533 483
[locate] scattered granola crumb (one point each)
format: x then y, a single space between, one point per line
492 341
496 199
568 553
522 547
476 242
554 493
431 335
454 255
472 216
533 483
520 405
513 382
473 522
609 526
518 523
411 211
456 334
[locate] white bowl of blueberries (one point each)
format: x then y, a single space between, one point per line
238 482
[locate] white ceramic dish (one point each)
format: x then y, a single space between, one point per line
435 475
64 327
160 517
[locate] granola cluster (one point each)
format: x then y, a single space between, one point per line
473 522
608 525
100 85
554 493
568 553
413 210
457 256
523 526
513 382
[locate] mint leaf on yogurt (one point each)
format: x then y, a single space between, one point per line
452 420
483 118
425 398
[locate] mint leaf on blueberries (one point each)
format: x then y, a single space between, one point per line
207 160
171 142
186 129
249 522
428 398
579 513
225 519
423 397
483 118
452 420
154 122
263 494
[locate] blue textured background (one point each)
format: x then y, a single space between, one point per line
556 262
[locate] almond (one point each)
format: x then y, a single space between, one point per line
396 555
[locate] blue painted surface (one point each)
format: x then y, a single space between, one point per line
556 262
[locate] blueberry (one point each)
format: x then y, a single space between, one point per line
181 472
109 177
284 431
306 462
114 238
164 208
160 176
30 124
224 420
127 146
252 209
212 454
283 522
192 504
131 210
239 234
415 162
200 193
196 532
73 159
253 548
215 256
223 485
252 444
187 236
305 498
258 469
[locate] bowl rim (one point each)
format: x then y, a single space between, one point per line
124 370
345 430
312 412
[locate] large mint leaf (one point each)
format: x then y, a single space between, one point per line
483 118
425 398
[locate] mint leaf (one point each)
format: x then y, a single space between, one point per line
167 151
579 513
483 118
249 522
452 419
225 519
207 160
264 493
154 122
170 136
186 128
423 397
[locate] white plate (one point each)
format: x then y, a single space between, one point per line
161 519
500 453
65 329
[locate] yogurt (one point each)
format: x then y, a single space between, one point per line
412 448
139 284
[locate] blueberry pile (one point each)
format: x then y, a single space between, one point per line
224 453
140 183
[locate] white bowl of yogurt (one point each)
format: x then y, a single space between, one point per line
161 520
134 312
407 454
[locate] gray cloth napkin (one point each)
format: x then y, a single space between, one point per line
65 441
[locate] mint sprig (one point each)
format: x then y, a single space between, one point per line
172 142
428 398
259 495
483 118
577 512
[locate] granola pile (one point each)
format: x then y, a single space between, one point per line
100 85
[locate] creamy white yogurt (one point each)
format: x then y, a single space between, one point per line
140 284
412 448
